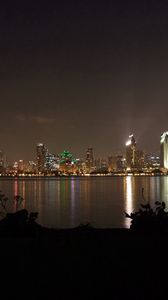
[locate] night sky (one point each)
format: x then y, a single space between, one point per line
75 74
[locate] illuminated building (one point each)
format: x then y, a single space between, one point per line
97 163
103 163
20 166
121 163
164 150
112 163
83 167
68 165
130 152
103 166
116 163
100 166
51 164
139 159
89 160
152 161
2 162
15 167
30 167
41 152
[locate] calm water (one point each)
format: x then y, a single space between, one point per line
101 201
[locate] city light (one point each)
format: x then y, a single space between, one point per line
164 150
133 162
128 143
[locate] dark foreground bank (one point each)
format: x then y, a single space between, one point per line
82 263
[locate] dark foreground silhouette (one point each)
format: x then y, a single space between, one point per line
150 219
80 263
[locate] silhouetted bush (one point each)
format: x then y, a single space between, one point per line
148 219
18 223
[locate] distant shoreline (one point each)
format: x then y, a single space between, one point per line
77 176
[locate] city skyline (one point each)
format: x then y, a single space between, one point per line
90 154
121 151
83 74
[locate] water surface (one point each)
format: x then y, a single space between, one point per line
101 201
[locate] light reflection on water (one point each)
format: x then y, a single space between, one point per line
68 202
128 192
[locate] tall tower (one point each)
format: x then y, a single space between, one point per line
41 152
131 152
164 150
2 162
89 159
21 166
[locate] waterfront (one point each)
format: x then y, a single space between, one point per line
100 201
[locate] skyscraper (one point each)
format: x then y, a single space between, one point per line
2 162
89 159
164 150
130 152
41 152
21 166
67 163
139 159
50 162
